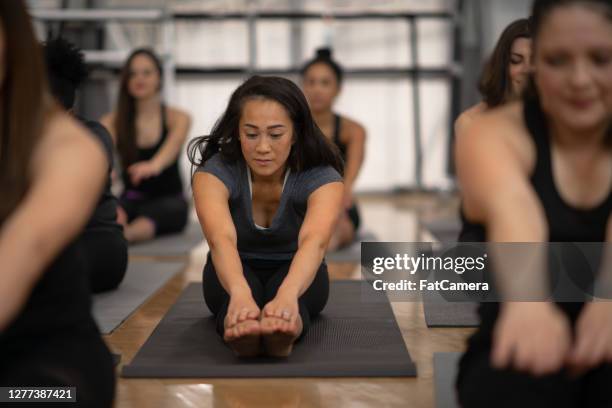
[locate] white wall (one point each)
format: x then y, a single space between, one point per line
383 106
497 14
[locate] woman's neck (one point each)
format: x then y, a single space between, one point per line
588 141
148 106
323 119
278 177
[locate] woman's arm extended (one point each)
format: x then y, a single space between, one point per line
313 239
211 202
355 154
491 160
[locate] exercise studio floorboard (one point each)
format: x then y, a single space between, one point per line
142 279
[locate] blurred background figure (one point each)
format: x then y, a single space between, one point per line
150 138
52 174
103 240
534 171
505 75
322 80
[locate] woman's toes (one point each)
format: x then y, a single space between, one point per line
244 338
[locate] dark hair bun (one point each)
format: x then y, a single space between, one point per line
324 56
324 53
65 61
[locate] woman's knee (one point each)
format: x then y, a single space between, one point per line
106 252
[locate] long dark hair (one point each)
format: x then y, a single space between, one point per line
26 104
540 11
324 56
125 121
495 85
311 147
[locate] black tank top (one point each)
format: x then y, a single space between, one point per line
105 213
565 223
168 182
336 137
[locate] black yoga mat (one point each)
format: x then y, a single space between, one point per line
445 373
352 338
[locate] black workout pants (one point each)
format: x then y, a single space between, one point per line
264 279
107 256
54 341
481 385
168 213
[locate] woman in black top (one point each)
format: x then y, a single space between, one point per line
51 175
149 138
541 171
321 81
103 240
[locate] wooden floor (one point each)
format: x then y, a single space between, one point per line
391 219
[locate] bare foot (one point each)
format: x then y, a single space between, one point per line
279 335
244 338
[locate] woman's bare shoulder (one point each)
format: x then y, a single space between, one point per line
351 128
177 114
465 119
63 136
505 128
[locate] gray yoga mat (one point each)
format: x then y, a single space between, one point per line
445 372
450 314
350 339
444 230
142 279
352 253
170 245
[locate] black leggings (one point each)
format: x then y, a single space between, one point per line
353 215
264 279
481 385
54 340
107 255
168 213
